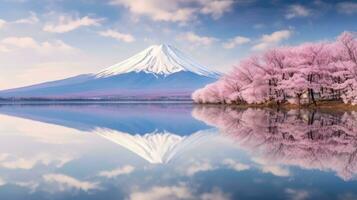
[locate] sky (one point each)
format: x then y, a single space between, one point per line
54 39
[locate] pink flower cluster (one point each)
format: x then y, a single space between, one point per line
300 74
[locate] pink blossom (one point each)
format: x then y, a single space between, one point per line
304 73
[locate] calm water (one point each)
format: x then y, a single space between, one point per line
175 151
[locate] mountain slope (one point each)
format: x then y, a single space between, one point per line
160 60
157 72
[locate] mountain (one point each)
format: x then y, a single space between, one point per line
160 71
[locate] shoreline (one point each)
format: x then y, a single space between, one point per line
321 105
82 102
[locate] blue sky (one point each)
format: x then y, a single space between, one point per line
53 39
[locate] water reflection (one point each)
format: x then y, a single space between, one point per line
305 138
169 151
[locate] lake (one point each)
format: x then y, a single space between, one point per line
175 151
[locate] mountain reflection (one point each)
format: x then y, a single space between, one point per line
156 147
308 139
176 151
158 133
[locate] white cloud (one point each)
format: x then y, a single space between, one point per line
297 11
176 10
67 182
349 8
276 170
269 40
117 35
199 167
117 172
216 8
161 193
271 168
14 43
69 23
175 193
20 42
32 19
158 10
29 163
297 194
238 40
235 165
196 39
2 23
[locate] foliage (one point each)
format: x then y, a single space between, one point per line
308 72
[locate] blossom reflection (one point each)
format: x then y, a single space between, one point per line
309 139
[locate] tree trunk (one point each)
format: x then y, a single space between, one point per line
312 97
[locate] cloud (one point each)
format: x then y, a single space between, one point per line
158 10
20 42
348 8
238 40
176 10
271 168
297 194
117 35
31 185
117 172
216 8
68 182
161 193
69 23
276 170
2 23
14 43
177 192
199 167
297 11
32 19
196 39
235 165
11 162
273 39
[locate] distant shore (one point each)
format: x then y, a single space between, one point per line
92 101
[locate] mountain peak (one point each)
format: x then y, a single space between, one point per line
160 59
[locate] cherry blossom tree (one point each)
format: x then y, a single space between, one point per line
321 71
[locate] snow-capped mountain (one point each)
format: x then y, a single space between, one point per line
160 71
159 60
